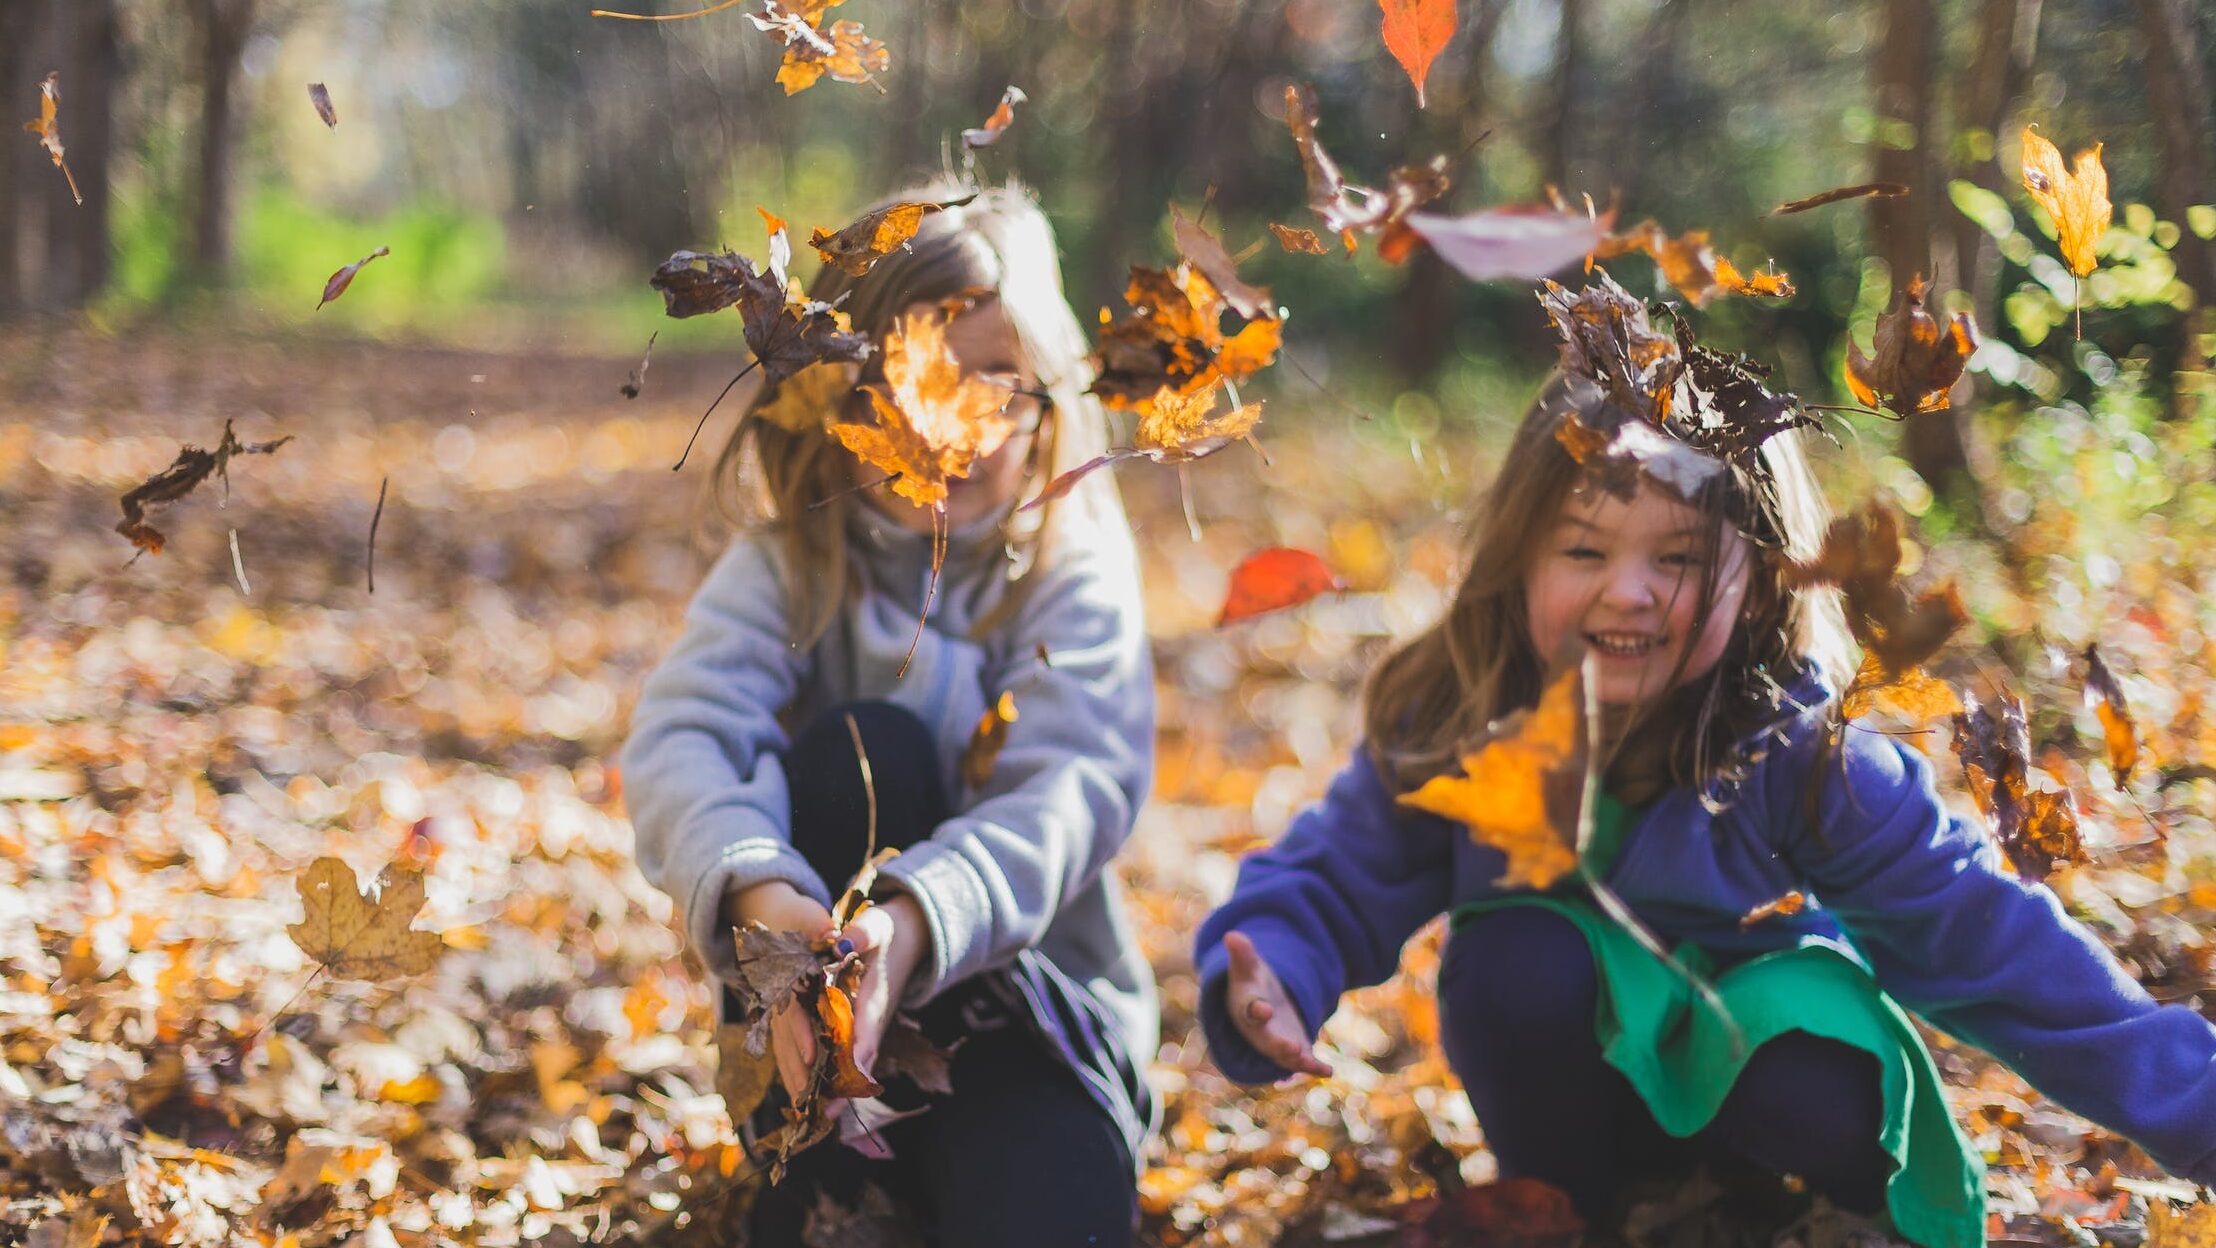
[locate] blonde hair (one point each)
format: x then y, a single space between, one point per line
1434 696
796 486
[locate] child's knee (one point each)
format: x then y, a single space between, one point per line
1520 973
824 777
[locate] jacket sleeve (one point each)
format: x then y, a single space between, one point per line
1069 780
1952 933
701 771
1328 907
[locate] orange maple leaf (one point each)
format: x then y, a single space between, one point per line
2076 198
1522 792
933 420
1173 339
1689 263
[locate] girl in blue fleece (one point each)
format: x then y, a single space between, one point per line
1586 1060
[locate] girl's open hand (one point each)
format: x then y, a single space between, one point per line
780 907
1264 1012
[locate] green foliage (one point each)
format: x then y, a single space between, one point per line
441 259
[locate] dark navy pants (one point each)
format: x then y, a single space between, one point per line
1517 993
1021 1154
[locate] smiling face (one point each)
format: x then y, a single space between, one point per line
983 341
1625 579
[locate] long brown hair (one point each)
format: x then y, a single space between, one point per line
1435 695
796 485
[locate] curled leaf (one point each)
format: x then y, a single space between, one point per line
1689 263
184 475
1864 190
1915 361
48 130
934 420
1345 207
630 387
786 334
875 235
1525 241
320 96
813 50
344 278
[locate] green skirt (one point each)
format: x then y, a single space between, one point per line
1681 1058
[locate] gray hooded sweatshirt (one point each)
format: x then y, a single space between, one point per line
1024 864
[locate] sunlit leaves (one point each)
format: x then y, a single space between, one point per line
1522 791
2119 733
786 332
2036 827
996 125
1689 263
1348 208
1173 339
857 247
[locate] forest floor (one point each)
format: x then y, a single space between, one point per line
175 747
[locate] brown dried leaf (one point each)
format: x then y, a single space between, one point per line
813 50
1865 190
786 333
2037 829
1301 241
1914 362
906 1053
742 1075
837 1076
1202 250
320 96
1173 340
876 234
1345 207
184 475
357 936
1691 265
49 132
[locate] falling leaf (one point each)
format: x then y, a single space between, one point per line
2106 697
1521 792
876 234
996 125
1525 242
184 474
1914 363
1914 694
320 96
780 245
1689 263
2075 198
1299 241
934 420
786 334
1728 409
344 278
1173 429
813 50
1173 339
1606 338
630 387
2036 828
1791 903
643 1004
983 750
1273 579
1415 32
1865 190
1347 208
49 133
357 936
1861 554
1202 250
809 399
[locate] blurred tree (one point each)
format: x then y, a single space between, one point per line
222 27
54 251
2178 95
2007 35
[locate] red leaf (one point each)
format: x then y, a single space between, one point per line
344 278
1415 31
1276 578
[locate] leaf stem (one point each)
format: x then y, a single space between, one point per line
710 412
668 17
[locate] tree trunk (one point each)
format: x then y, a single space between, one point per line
1933 443
95 58
18 88
1561 130
2177 96
222 26
2008 34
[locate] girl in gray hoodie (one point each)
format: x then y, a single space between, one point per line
999 924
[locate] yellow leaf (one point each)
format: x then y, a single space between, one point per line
1174 422
356 936
1521 792
810 398
2076 198
933 419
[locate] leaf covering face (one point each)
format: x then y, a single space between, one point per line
933 419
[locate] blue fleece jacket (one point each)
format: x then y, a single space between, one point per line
1923 898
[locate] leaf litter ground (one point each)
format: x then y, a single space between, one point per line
174 756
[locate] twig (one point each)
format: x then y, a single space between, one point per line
248 1042
668 17
1185 493
238 566
829 499
869 785
376 516
710 412
940 533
